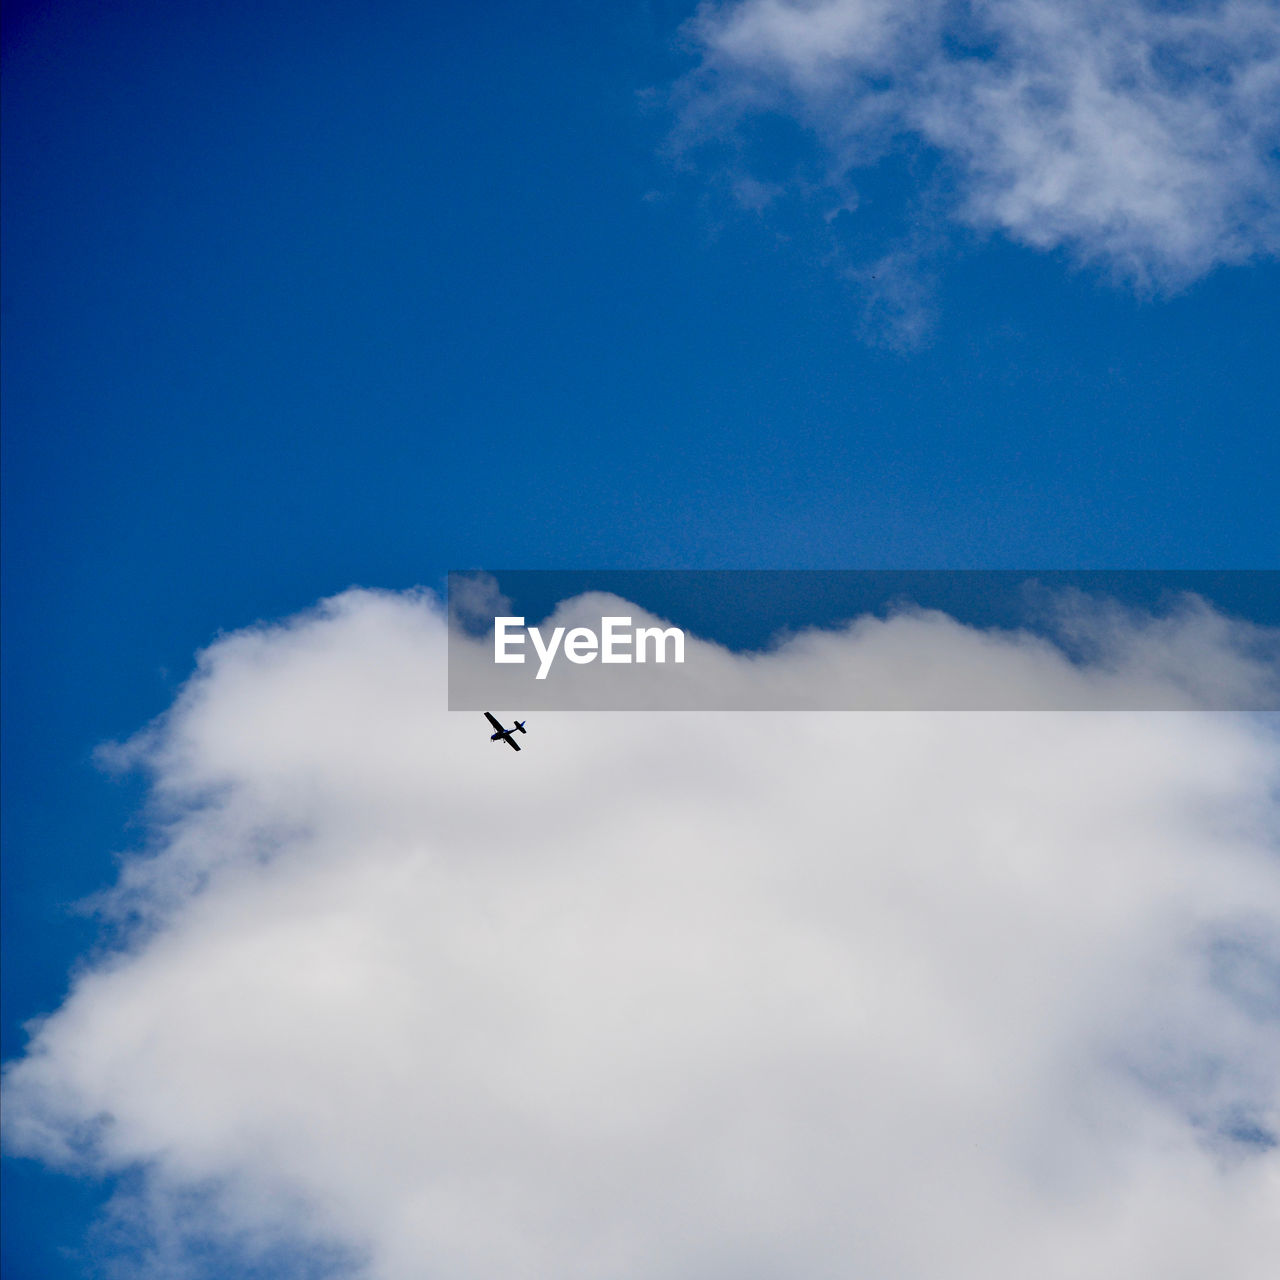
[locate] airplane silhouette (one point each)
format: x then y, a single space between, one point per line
505 734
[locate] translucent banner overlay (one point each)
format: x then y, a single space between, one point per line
863 640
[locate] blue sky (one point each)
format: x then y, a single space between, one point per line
304 296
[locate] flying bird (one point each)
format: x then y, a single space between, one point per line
505 734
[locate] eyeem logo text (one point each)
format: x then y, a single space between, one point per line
617 642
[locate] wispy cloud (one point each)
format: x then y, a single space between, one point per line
1138 136
679 995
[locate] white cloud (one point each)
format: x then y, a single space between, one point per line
1138 135
675 995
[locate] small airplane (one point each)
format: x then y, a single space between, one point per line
505 734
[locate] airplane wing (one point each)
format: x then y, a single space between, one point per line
511 742
494 722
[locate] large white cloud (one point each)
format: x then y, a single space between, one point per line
673 996
1136 134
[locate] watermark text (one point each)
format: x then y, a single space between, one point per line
617 641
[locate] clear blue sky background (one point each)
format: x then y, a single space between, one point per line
297 296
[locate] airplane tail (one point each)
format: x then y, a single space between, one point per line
519 724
